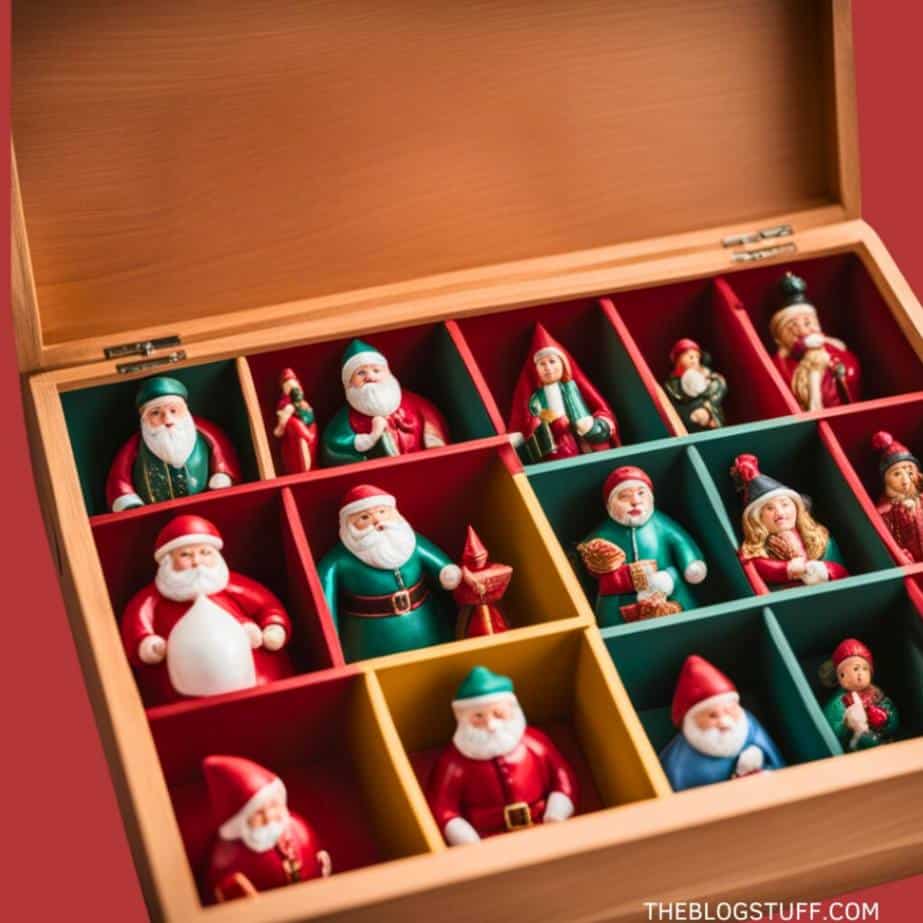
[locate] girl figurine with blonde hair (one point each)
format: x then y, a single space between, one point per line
780 536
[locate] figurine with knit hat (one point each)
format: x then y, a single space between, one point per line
198 628
718 739
498 774
780 536
645 562
174 455
260 844
695 390
295 425
818 368
482 586
900 501
380 419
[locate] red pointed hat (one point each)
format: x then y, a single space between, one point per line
698 682
680 346
474 557
186 530
236 788
286 375
363 497
543 342
620 476
852 647
891 451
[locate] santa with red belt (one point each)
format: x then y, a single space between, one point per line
900 503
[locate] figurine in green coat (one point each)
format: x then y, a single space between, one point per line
383 582
644 560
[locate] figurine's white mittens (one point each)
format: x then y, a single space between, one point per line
693 382
450 576
814 340
660 582
794 565
254 635
432 440
815 572
458 832
325 863
273 637
696 572
218 480
558 808
365 441
584 425
856 719
152 649
516 440
126 502
750 760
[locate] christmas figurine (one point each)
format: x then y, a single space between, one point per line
498 774
717 740
557 412
900 503
174 455
200 629
260 844
383 582
381 419
783 540
695 390
861 715
295 427
482 586
819 369
644 561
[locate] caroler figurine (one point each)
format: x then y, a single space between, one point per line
900 502
695 390
295 426
819 369
174 455
717 740
780 536
498 774
644 561
557 412
380 420
200 629
483 583
861 715
260 844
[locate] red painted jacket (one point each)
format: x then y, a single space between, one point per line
297 438
478 790
834 390
775 571
406 425
905 524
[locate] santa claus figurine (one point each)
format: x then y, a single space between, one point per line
900 505
557 412
497 775
200 629
786 544
644 561
861 715
717 740
384 582
819 369
295 427
482 587
174 455
260 844
694 389
380 420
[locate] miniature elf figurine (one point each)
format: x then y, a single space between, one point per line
820 370
861 715
260 844
695 390
717 740
557 412
498 774
900 503
382 580
781 537
199 629
296 426
482 586
644 560
381 419
174 455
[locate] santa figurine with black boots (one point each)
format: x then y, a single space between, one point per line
498 774
695 390
259 844
482 586
199 628
295 426
900 502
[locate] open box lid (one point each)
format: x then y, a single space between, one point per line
183 165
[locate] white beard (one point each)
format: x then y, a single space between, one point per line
174 444
715 741
554 397
481 744
182 585
376 399
261 839
388 548
624 519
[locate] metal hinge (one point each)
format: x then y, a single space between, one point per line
145 348
762 253
754 237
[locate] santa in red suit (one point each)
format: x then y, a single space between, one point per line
900 503
260 843
199 628
497 775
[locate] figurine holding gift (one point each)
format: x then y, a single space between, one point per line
695 390
295 425
482 586
900 504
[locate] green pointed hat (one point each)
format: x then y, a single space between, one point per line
153 389
356 354
481 686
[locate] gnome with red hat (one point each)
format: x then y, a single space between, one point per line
861 715
200 629
695 390
644 561
482 587
900 504
383 581
260 844
717 740
557 412
296 426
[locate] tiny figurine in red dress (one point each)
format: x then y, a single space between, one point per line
482 587
498 774
900 503
200 629
296 426
819 369
260 844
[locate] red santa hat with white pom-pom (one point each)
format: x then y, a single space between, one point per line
186 530
756 488
237 787
625 476
364 497
700 685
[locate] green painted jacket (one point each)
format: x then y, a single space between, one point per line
835 712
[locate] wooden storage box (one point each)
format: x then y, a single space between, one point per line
236 187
